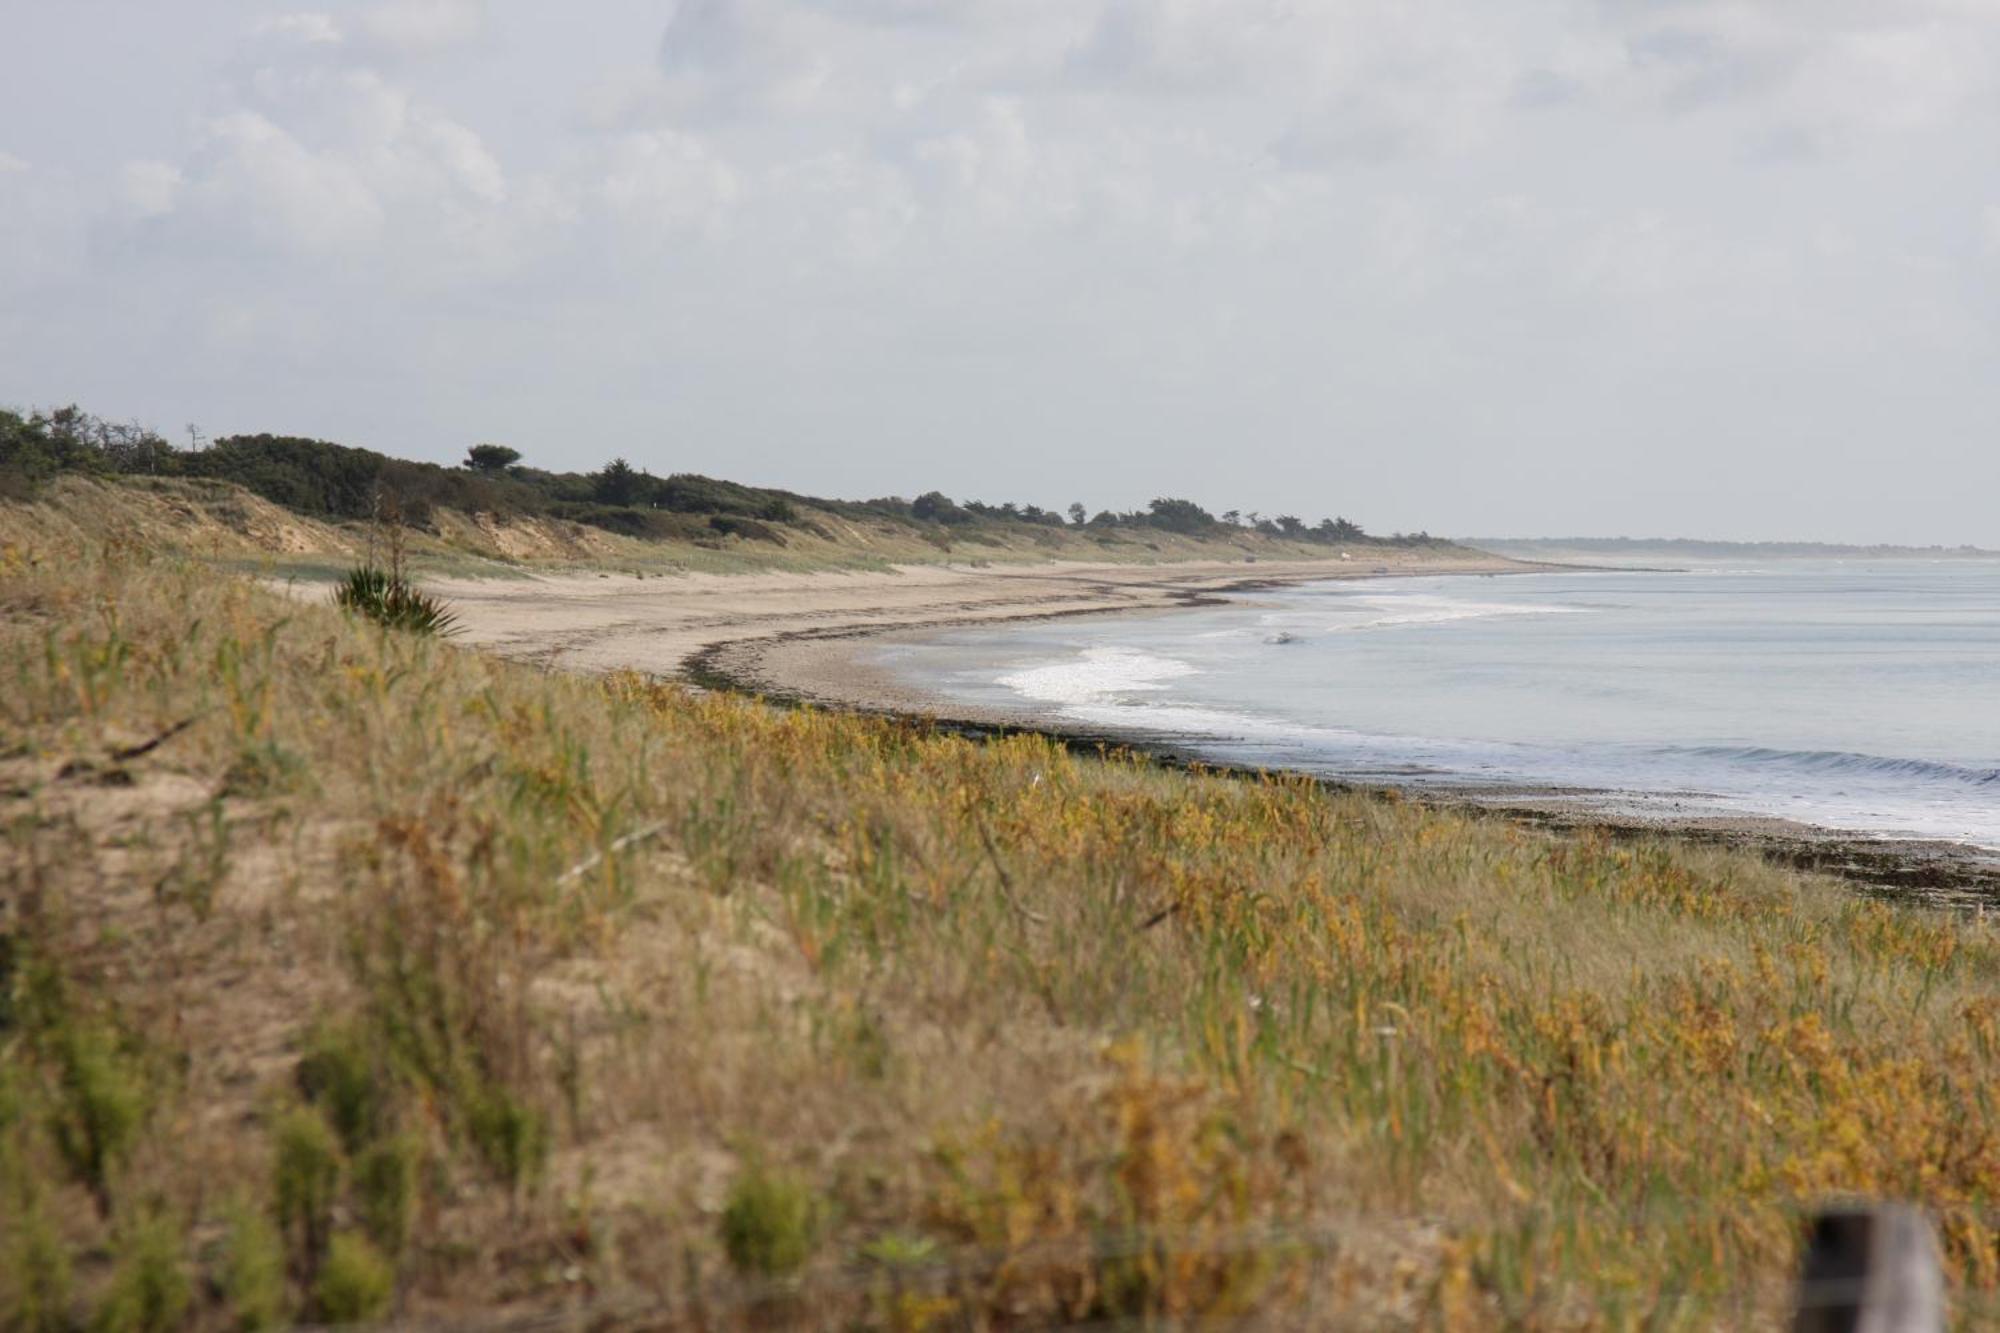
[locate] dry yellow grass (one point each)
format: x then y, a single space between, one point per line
398 978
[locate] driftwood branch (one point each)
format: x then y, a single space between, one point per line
147 747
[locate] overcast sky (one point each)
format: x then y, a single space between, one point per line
1475 266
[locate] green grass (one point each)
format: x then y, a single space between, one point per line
475 982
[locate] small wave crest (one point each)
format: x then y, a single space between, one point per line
1390 610
1844 761
1098 675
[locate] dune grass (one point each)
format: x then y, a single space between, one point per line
349 974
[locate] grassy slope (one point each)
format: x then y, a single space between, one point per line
221 521
534 989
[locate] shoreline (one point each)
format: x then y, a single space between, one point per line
793 639
822 668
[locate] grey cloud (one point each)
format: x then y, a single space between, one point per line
1539 88
706 34
1349 136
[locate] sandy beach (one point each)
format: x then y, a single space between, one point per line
775 631
796 637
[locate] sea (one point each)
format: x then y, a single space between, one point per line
1858 696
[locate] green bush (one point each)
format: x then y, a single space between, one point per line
306 1172
389 599
385 1188
770 1223
343 1076
253 1270
101 1106
149 1290
355 1282
511 1137
747 528
35 1276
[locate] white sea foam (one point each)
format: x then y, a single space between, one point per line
1098 675
1389 610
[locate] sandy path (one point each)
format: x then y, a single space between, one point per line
658 625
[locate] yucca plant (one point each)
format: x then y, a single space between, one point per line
387 598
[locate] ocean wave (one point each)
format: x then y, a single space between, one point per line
1396 609
1843 761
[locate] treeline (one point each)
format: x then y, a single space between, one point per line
339 482
1167 515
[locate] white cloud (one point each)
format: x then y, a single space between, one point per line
663 183
149 189
305 28
323 161
256 174
953 228
423 27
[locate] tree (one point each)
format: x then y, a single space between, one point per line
1078 515
1290 526
491 458
1233 517
1179 516
618 484
937 507
1338 530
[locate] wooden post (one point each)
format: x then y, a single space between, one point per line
1871 1268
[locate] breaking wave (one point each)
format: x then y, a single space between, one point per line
1842 761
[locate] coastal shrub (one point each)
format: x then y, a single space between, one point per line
253 1270
355 1282
390 600
35 1274
149 1288
345 1076
385 1185
101 1104
305 1178
770 1222
511 1137
937 507
747 528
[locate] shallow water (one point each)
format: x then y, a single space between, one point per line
1855 696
